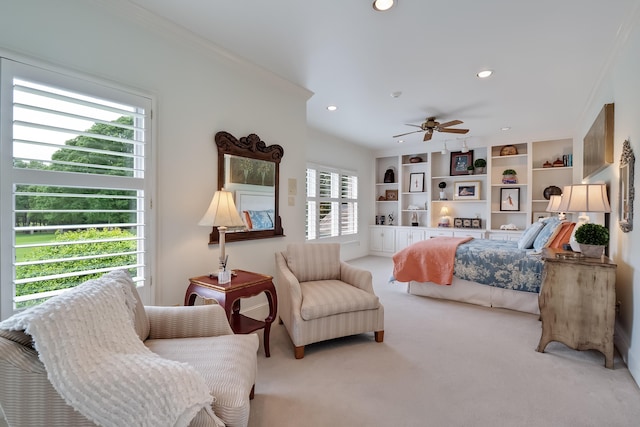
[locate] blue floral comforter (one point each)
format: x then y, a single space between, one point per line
500 264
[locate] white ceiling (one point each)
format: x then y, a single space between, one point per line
547 57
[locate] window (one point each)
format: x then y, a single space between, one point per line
73 184
332 202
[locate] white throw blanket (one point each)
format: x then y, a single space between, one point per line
95 360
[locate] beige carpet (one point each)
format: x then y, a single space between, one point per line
441 364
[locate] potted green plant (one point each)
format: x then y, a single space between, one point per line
480 164
592 239
509 176
470 169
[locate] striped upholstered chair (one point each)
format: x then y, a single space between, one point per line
323 298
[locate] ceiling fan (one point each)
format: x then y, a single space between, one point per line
430 125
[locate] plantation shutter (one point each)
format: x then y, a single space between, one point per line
332 205
75 157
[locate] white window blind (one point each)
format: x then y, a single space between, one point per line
332 202
75 156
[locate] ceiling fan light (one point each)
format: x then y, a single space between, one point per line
383 5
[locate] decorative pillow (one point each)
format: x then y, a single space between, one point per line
247 219
551 227
563 235
261 220
529 235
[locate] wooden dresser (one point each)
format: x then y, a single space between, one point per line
578 303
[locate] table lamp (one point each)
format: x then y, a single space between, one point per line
583 198
554 206
444 217
222 213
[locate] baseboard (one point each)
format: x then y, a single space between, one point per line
623 344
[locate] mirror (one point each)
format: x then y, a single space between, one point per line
250 169
627 190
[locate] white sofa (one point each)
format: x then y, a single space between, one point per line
199 336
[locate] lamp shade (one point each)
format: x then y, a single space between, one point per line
444 211
585 198
222 211
554 203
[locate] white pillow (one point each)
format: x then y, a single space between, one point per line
529 235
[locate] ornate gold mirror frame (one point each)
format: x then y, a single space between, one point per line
251 158
627 189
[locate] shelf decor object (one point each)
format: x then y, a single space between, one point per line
509 176
508 150
598 143
391 195
459 162
509 199
467 190
416 182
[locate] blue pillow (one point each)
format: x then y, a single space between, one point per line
529 235
261 220
551 228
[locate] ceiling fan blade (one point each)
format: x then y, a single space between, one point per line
451 123
427 136
411 124
408 133
454 130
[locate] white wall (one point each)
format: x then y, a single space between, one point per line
327 150
198 91
621 86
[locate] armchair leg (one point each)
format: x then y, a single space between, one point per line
379 336
299 352
253 392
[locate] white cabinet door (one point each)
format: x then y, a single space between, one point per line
382 240
407 236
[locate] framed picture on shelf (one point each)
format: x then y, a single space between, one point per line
509 199
459 162
416 182
466 190
391 195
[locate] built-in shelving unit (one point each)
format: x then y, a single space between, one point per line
417 193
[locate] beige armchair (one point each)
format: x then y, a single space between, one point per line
321 298
199 336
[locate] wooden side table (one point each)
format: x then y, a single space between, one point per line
243 284
577 303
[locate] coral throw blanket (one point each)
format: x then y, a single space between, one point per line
428 261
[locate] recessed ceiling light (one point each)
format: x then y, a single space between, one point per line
400 141
505 128
332 108
382 5
484 74
396 94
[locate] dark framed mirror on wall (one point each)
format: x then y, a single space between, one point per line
250 169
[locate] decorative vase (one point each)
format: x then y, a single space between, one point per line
509 179
591 251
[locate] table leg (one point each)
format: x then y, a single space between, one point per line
272 299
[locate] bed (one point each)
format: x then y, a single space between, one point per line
491 273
